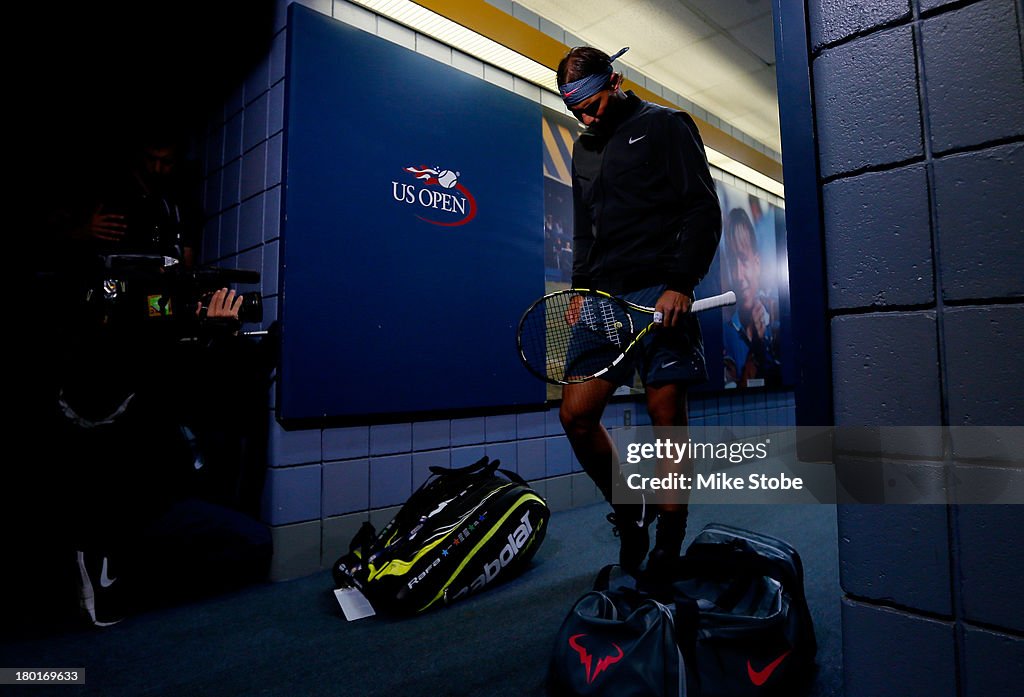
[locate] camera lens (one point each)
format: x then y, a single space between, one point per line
251 309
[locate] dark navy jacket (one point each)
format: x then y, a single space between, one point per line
645 207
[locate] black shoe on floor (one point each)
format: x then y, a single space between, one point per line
629 524
99 591
659 573
668 542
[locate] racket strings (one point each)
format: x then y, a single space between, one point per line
569 337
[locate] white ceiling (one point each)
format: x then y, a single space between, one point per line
719 54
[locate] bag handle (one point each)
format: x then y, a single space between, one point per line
738 557
484 464
604 577
364 538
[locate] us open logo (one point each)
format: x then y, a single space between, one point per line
441 196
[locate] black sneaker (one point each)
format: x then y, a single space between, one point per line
629 524
668 543
100 592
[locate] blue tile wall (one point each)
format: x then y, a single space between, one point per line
530 425
552 424
557 456
390 480
465 431
422 462
270 266
500 428
229 185
233 138
505 452
254 172
272 217
229 233
250 223
343 443
530 459
467 455
292 494
254 122
275 155
430 435
390 438
257 82
346 487
293 447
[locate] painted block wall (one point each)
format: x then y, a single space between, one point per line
917 106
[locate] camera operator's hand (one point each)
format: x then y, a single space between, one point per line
109 227
224 304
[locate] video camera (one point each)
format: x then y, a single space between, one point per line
155 291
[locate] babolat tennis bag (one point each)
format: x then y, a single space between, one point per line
464 529
755 637
622 642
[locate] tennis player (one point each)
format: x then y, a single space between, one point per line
647 224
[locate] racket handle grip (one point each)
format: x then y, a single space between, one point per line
726 298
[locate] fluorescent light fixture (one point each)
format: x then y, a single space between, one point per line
457 36
740 170
446 31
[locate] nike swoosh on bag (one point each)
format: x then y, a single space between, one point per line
759 677
637 140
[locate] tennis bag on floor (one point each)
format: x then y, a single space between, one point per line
464 529
621 642
755 637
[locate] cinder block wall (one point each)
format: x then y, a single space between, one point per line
918 106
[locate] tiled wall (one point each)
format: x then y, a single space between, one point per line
921 147
323 483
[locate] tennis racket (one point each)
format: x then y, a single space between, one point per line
575 335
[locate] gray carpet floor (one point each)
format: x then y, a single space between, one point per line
291 639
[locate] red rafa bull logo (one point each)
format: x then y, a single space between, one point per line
591 669
450 204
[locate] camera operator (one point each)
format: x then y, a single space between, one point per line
145 207
146 355
143 523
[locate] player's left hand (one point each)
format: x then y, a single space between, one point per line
672 305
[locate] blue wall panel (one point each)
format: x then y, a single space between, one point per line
413 230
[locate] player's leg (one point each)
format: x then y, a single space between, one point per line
582 407
667 406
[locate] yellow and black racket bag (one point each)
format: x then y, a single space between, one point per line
463 530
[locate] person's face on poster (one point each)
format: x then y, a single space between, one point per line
744 264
